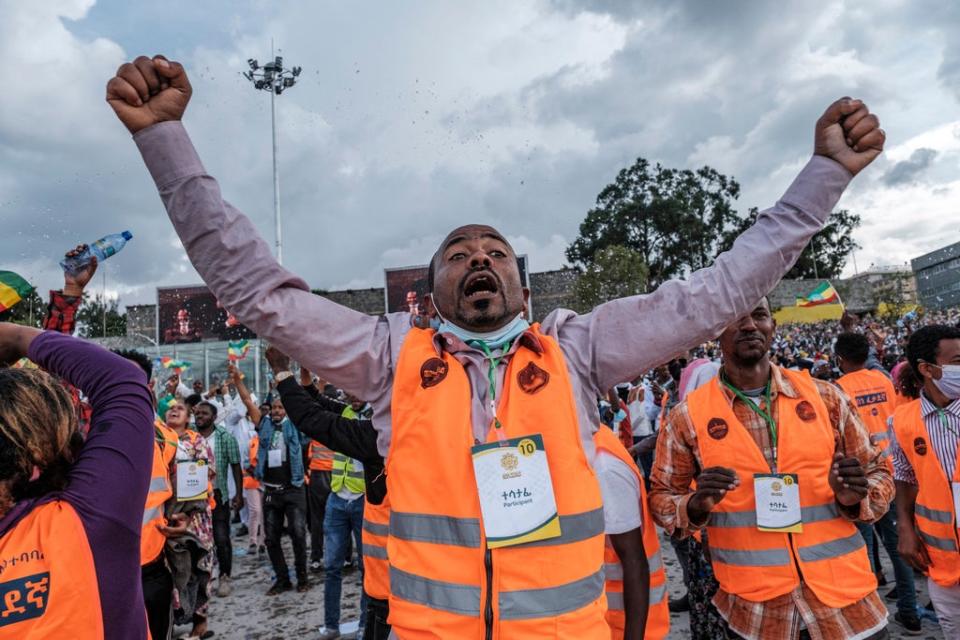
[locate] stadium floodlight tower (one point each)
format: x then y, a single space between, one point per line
274 78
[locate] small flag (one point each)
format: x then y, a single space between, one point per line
237 350
177 365
12 289
823 294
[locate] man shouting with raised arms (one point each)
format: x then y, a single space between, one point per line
496 526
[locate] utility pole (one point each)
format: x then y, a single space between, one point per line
274 78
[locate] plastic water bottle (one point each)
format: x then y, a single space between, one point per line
102 249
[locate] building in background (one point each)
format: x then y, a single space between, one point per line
938 277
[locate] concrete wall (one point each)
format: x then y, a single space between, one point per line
551 290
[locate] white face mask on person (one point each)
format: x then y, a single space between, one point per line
949 382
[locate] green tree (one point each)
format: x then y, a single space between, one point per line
614 272
29 311
95 312
826 254
677 220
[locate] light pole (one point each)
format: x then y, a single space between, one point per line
274 78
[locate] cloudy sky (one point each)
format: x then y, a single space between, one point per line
413 117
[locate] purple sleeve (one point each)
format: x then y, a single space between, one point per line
108 482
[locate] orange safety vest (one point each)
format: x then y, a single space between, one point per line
658 614
875 398
321 458
829 554
48 581
250 482
376 564
934 512
444 582
164 451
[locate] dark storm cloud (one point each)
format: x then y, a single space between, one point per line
908 171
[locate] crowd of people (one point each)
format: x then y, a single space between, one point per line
494 478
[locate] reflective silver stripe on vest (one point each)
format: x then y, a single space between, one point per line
732 519
159 484
574 528
377 529
944 544
374 551
615 598
657 594
613 571
150 514
550 601
763 558
456 598
832 549
655 562
420 527
356 475
936 515
819 513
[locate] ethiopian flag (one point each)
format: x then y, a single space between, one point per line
176 365
823 294
237 350
12 289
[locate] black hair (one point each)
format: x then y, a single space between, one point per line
212 406
192 400
141 359
924 344
852 347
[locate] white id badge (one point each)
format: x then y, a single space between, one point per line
955 486
516 492
191 480
275 458
778 502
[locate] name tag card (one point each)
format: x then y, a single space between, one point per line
191 480
275 458
778 502
955 486
516 491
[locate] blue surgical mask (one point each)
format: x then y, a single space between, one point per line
949 382
619 416
493 339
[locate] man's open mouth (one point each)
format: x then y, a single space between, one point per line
480 285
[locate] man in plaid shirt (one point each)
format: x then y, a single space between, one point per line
859 478
62 317
226 459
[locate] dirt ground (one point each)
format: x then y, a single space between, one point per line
248 614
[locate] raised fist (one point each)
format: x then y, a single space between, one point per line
848 133
147 91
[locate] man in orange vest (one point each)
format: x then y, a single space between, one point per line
635 579
873 394
787 468
474 551
927 431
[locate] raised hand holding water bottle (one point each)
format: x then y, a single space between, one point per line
74 283
74 263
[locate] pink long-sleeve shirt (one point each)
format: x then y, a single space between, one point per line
617 341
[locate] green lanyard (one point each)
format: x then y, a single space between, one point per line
768 417
944 422
494 362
